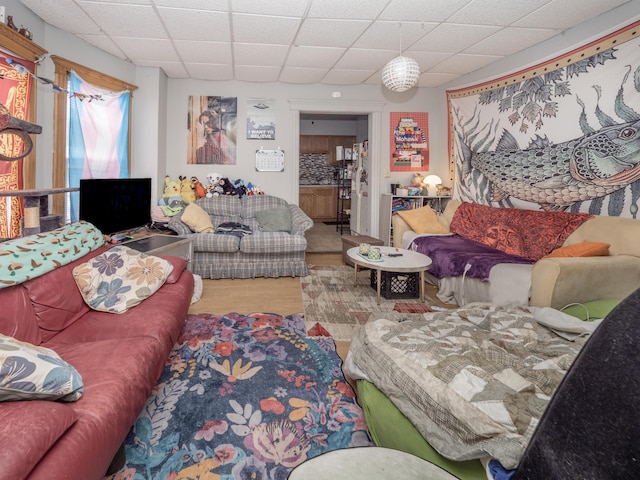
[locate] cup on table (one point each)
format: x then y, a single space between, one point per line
374 253
363 248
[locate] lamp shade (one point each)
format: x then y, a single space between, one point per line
432 181
400 74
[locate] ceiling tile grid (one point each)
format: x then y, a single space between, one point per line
334 42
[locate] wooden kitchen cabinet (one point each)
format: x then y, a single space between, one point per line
325 144
320 203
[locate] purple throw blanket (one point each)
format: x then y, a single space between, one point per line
450 254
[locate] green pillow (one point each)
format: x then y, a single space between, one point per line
594 310
274 220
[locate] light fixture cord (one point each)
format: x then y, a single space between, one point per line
400 25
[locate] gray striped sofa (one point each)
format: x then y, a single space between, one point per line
260 254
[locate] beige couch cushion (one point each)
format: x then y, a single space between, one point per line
423 220
621 233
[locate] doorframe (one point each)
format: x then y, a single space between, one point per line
374 112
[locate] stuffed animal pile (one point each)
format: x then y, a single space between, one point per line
219 185
177 194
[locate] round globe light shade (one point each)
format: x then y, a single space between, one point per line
400 74
432 182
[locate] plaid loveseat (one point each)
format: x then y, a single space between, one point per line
258 254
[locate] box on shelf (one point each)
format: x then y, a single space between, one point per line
397 285
349 241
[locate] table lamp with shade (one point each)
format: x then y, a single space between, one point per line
432 182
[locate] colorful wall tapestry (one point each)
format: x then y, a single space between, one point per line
15 89
561 135
212 129
409 141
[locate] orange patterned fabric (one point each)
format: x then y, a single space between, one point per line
527 233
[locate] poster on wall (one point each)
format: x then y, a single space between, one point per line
15 89
409 141
212 128
563 135
261 119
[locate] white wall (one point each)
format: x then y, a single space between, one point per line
159 135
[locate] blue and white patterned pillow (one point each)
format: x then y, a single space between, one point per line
120 278
28 372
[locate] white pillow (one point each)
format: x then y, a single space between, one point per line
120 278
28 372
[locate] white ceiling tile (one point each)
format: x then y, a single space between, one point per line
494 12
125 20
359 59
358 10
104 43
68 16
510 40
453 38
256 54
346 77
281 8
566 13
198 52
195 25
330 33
147 49
264 29
463 63
211 5
302 75
256 73
389 35
315 41
206 71
422 10
171 69
318 57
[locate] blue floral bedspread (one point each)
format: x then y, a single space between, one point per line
244 397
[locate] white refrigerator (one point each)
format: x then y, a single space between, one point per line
360 200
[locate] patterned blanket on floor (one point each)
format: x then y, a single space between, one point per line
474 381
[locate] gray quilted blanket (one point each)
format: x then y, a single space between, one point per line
474 381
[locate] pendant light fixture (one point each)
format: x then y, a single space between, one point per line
401 73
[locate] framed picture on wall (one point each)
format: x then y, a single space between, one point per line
212 129
409 141
261 119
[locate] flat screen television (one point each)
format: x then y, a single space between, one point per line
116 205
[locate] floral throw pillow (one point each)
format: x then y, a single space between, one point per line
120 279
28 372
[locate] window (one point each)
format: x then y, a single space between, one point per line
63 68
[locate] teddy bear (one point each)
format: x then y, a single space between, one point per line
187 190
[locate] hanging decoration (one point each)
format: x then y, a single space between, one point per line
22 70
401 73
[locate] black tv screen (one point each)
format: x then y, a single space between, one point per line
114 205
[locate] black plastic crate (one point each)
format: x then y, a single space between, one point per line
396 284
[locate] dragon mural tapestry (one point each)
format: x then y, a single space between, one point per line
563 135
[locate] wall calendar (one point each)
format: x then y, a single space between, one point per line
270 160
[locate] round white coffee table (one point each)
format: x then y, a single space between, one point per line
406 261
370 463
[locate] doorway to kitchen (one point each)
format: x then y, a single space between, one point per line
361 120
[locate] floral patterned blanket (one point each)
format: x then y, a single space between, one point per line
474 381
243 397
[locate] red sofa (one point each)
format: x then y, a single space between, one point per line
119 356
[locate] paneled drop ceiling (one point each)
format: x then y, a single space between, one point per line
341 42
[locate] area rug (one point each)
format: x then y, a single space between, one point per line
243 397
322 238
333 302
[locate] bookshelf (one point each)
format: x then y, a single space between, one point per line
391 204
